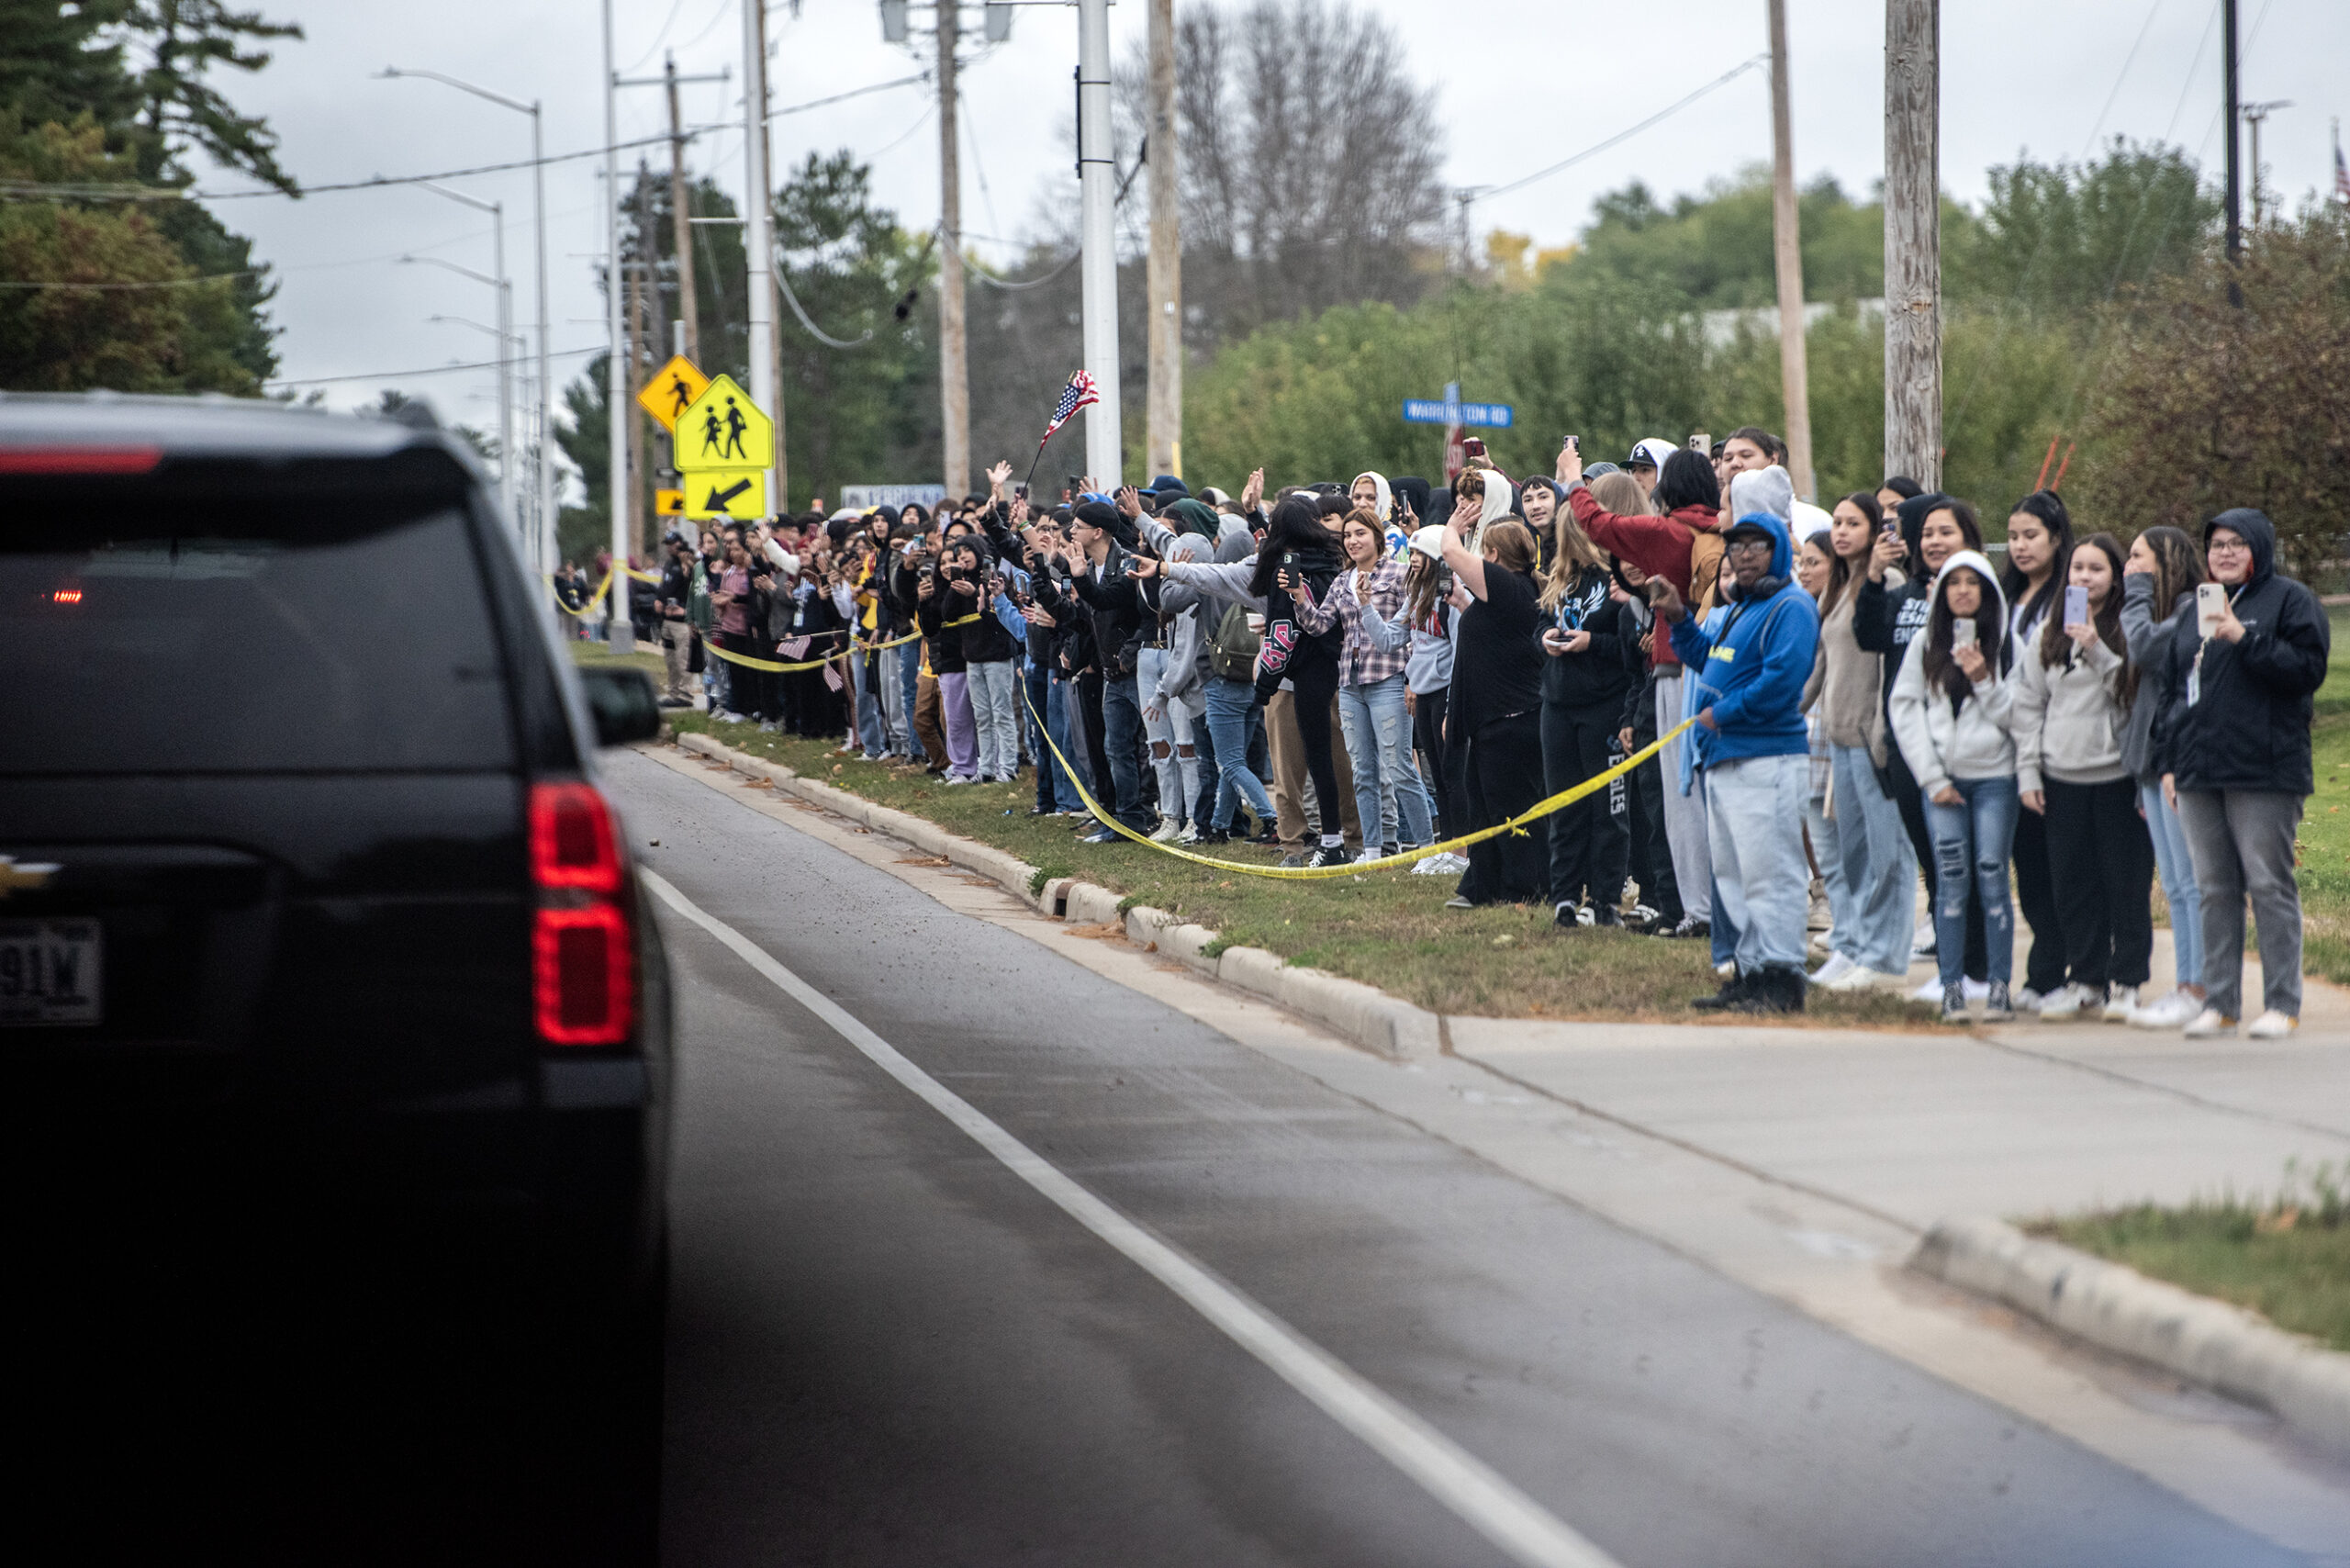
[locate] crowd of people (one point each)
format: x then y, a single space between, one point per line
1852 702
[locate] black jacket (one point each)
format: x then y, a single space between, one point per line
1597 676
1119 614
2248 726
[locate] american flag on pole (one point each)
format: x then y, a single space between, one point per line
2341 170
1079 394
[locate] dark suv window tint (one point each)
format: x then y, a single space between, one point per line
204 633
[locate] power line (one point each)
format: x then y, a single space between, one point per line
404 375
1481 193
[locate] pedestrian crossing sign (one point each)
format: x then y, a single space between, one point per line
672 391
723 429
738 493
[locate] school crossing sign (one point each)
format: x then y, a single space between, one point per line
724 445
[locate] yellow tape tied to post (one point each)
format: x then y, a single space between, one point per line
769 665
1540 809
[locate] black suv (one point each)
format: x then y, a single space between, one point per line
331 1014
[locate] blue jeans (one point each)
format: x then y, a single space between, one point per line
1754 823
909 657
2177 868
872 724
1388 793
1236 723
1122 737
1980 830
1879 866
1060 697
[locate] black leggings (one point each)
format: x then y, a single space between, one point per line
1315 681
1428 739
2043 966
1504 776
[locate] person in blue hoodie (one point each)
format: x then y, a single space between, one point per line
1753 757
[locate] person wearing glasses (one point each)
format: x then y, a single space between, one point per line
2244 662
1753 756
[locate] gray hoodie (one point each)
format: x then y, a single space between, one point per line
1940 744
2148 638
2068 716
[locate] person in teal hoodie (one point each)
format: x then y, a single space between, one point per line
1753 757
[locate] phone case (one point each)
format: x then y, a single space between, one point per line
2076 605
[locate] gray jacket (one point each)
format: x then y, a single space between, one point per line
2148 640
2067 717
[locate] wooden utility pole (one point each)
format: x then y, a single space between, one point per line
1163 415
2233 112
1913 268
1786 234
954 371
681 221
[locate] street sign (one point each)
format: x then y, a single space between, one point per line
738 493
669 503
672 391
1436 411
723 429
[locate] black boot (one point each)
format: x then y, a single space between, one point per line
1735 992
1776 990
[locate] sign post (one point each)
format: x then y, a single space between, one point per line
724 445
1453 414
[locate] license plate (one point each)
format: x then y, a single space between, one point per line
49 971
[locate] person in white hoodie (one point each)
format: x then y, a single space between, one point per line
2073 685
1950 713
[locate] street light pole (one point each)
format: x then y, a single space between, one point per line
622 636
758 234
546 483
497 211
1099 274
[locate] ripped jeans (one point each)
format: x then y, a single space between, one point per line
1981 829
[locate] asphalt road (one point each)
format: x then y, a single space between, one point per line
885 1346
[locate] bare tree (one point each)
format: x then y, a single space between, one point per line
1310 162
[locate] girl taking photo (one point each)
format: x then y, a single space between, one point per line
1950 716
1371 706
1584 678
2040 539
2073 691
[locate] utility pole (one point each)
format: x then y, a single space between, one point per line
616 396
954 363
1163 418
758 232
2254 116
637 273
780 477
1795 369
1097 171
681 221
1913 280
2231 113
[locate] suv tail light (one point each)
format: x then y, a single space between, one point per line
583 949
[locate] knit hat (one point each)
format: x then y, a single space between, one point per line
1763 489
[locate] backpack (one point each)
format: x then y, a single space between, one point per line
1232 651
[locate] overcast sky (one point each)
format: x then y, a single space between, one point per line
1520 85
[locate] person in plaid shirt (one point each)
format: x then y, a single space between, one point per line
1373 713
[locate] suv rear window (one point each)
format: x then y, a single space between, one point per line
235 632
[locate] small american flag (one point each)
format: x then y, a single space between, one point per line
2341 170
1079 394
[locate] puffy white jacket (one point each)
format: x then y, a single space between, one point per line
1940 744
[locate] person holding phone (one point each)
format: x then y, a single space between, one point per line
1951 717
2235 747
1584 676
2159 581
1679 542
2040 538
2074 688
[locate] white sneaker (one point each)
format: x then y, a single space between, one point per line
2119 1003
2170 1011
1166 830
1930 991
1922 945
1191 834
2069 1003
2209 1024
2273 1025
1975 990
1836 967
1860 977
2027 999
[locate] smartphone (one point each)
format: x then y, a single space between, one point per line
1571 443
1702 444
2076 605
2210 607
1961 634
1471 446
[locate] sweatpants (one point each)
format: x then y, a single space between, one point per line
992 686
1685 813
1589 849
2101 867
2243 843
1754 809
962 734
2045 966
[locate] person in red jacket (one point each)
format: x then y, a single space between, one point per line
1683 533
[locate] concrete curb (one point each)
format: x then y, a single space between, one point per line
1382 1023
2118 1309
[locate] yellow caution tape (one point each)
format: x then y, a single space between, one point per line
589 603
1540 809
745 659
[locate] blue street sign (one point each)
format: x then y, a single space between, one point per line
1436 411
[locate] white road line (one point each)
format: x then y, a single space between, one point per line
1454 1477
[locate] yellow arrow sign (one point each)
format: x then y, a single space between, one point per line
669 503
672 391
723 429
738 493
